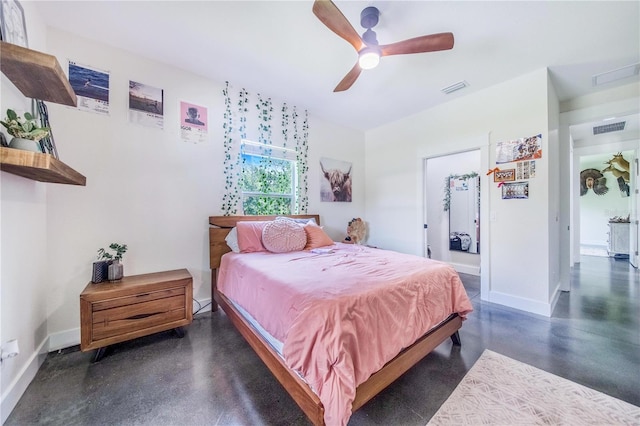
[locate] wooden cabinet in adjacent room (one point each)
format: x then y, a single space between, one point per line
618 238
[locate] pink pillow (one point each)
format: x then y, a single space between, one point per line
316 237
283 236
250 236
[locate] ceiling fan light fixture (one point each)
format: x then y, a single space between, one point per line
369 58
367 46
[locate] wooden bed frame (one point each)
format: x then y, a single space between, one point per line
293 384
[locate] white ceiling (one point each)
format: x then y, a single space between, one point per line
280 49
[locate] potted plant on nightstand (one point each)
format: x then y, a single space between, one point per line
116 269
25 131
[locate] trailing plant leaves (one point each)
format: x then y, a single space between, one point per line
271 179
446 201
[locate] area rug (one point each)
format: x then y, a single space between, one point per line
502 391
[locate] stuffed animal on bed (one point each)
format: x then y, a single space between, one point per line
356 231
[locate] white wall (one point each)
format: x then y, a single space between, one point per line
519 236
145 187
23 256
553 156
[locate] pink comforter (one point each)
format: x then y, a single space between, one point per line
341 316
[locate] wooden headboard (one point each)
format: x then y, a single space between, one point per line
221 225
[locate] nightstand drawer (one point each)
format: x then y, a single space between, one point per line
132 318
138 298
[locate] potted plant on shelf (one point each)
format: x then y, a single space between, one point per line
115 269
25 131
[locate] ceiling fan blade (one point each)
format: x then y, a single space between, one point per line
331 16
349 79
428 43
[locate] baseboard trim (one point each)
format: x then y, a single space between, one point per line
466 269
528 305
203 307
554 299
16 388
64 339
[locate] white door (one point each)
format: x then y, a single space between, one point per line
425 225
633 216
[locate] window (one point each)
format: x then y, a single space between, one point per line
268 181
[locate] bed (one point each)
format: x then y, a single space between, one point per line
289 365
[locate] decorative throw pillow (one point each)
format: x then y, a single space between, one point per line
250 236
316 237
283 236
301 221
232 240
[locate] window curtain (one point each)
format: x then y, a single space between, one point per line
248 117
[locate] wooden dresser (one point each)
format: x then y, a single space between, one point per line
135 306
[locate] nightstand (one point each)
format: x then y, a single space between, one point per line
135 306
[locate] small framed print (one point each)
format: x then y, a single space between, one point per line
515 190
508 175
12 23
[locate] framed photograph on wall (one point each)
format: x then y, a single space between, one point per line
12 23
515 190
335 180
508 175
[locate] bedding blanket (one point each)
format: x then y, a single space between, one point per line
342 315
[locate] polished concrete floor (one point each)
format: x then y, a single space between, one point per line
211 376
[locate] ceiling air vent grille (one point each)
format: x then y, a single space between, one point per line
454 87
607 128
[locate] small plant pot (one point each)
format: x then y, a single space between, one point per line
25 145
116 271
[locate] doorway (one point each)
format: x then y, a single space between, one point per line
605 204
591 230
452 197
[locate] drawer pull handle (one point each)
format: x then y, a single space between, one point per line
142 295
140 316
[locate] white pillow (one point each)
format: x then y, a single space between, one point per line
232 240
298 220
283 236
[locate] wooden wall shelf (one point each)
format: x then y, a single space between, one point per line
37 75
38 166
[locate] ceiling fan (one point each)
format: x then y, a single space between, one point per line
369 51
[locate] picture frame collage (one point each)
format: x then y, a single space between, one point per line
524 152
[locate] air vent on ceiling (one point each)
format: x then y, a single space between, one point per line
607 128
615 75
456 86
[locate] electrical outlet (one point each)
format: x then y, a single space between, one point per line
9 350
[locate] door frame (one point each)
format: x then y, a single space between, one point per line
628 145
483 147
